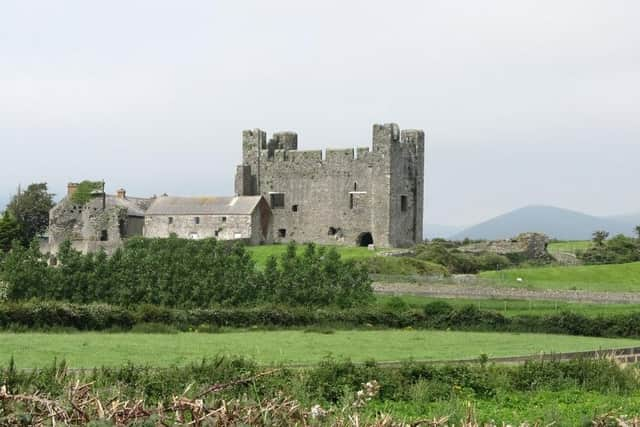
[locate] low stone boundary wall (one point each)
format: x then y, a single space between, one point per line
483 291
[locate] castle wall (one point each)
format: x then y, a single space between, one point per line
335 198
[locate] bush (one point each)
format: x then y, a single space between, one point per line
436 315
617 250
186 274
390 265
437 308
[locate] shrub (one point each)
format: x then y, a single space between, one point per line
437 308
186 274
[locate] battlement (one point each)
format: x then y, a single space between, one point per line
283 146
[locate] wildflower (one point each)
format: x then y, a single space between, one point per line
317 412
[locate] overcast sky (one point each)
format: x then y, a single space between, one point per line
523 102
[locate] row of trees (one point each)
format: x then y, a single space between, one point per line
186 274
616 250
26 215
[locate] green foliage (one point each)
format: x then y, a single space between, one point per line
391 265
82 195
435 315
548 391
617 250
456 262
599 237
437 308
31 210
9 231
186 273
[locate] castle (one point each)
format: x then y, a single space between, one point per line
348 197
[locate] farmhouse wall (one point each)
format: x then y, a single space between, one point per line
223 227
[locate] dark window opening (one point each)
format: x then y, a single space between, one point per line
122 225
403 203
294 208
333 231
170 220
224 219
196 220
217 233
104 236
282 233
351 201
365 239
355 186
277 200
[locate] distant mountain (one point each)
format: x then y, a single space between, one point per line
633 219
555 222
438 230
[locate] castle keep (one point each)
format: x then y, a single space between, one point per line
351 197
346 197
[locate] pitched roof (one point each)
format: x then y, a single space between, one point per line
240 205
135 206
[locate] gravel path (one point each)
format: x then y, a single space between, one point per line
488 292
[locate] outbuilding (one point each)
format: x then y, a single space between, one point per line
245 218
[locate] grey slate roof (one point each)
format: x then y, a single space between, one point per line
168 205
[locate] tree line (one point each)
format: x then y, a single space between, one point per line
185 274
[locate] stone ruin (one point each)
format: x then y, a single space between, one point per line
529 246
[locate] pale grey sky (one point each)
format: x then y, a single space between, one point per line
523 102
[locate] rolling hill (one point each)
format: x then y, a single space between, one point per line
557 223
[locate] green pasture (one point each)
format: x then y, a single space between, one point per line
602 278
509 307
260 254
103 349
570 246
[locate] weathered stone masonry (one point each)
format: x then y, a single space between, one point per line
349 197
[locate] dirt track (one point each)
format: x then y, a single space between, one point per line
488 292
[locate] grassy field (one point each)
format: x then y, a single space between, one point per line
604 278
260 254
102 349
516 307
570 246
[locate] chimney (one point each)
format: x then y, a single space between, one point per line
71 188
122 193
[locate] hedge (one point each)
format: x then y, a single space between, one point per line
98 317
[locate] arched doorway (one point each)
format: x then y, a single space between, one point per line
365 239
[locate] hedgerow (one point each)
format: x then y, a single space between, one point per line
98 317
187 274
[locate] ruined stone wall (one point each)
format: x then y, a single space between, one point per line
88 226
335 198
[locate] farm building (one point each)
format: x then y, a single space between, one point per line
223 218
102 222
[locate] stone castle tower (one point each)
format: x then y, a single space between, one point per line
353 198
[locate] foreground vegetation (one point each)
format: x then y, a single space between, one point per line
86 350
602 278
562 393
436 315
187 274
511 307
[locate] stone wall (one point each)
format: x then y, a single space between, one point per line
221 227
532 246
339 197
